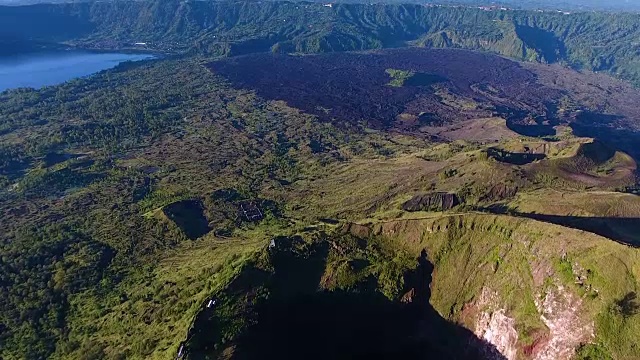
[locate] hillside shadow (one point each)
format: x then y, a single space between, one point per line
189 217
359 324
621 230
616 229
617 138
544 42
207 329
629 306
297 266
297 269
514 158
519 121
296 321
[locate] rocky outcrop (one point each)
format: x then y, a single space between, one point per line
500 192
499 330
437 201
561 311
357 230
494 326
514 158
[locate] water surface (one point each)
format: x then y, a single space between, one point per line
40 69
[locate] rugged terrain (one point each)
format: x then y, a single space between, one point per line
404 202
593 41
442 88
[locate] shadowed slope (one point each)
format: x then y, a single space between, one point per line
297 320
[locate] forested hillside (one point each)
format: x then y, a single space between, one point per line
123 199
396 203
592 41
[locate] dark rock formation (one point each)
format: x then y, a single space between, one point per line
500 192
437 201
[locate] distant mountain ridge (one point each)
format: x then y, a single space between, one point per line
591 41
583 5
586 40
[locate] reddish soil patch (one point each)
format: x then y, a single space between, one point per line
541 338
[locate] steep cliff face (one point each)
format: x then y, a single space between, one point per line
437 201
562 311
532 290
336 297
493 325
565 329
500 192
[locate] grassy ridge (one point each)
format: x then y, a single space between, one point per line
521 261
505 254
148 315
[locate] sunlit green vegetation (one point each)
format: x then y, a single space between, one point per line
398 77
82 234
94 266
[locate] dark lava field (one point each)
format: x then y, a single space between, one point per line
446 86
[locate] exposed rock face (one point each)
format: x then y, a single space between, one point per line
561 311
499 329
357 230
408 297
437 201
514 158
494 326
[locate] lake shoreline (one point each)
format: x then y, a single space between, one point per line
48 67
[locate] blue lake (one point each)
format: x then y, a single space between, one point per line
40 69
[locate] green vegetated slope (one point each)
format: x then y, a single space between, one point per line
593 41
139 138
148 314
534 288
525 262
96 263
500 36
124 202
